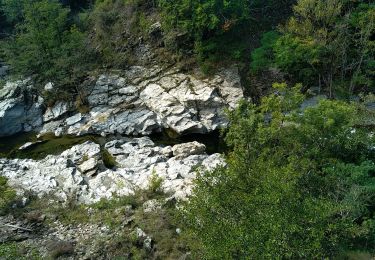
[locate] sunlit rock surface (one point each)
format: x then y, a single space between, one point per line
79 173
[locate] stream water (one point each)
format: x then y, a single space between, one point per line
49 144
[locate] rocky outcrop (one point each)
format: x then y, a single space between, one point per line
79 173
20 108
3 70
56 111
146 100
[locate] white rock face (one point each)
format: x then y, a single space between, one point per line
146 100
140 102
58 109
20 108
79 172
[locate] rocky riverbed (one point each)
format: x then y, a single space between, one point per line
81 172
137 101
77 157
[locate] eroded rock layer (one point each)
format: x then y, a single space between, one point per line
146 100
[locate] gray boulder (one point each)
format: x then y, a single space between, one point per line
56 111
3 70
20 108
187 149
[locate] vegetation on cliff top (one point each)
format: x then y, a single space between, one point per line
324 44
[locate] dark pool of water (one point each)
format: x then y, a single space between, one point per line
213 141
55 145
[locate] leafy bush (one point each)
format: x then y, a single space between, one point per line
299 184
155 183
13 10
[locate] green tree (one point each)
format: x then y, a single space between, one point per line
329 44
299 184
46 46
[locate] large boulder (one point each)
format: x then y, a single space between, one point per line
187 149
20 108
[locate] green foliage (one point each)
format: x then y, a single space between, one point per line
10 251
114 26
155 183
7 195
201 18
299 184
46 45
329 44
216 27
13 9
262 57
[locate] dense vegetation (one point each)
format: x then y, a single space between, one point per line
218 27
46 44
61 41
298 184
326 44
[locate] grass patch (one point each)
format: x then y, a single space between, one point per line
10 251
7 196
13 251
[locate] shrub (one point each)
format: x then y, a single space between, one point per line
155 183
216 27
299 184
262 58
